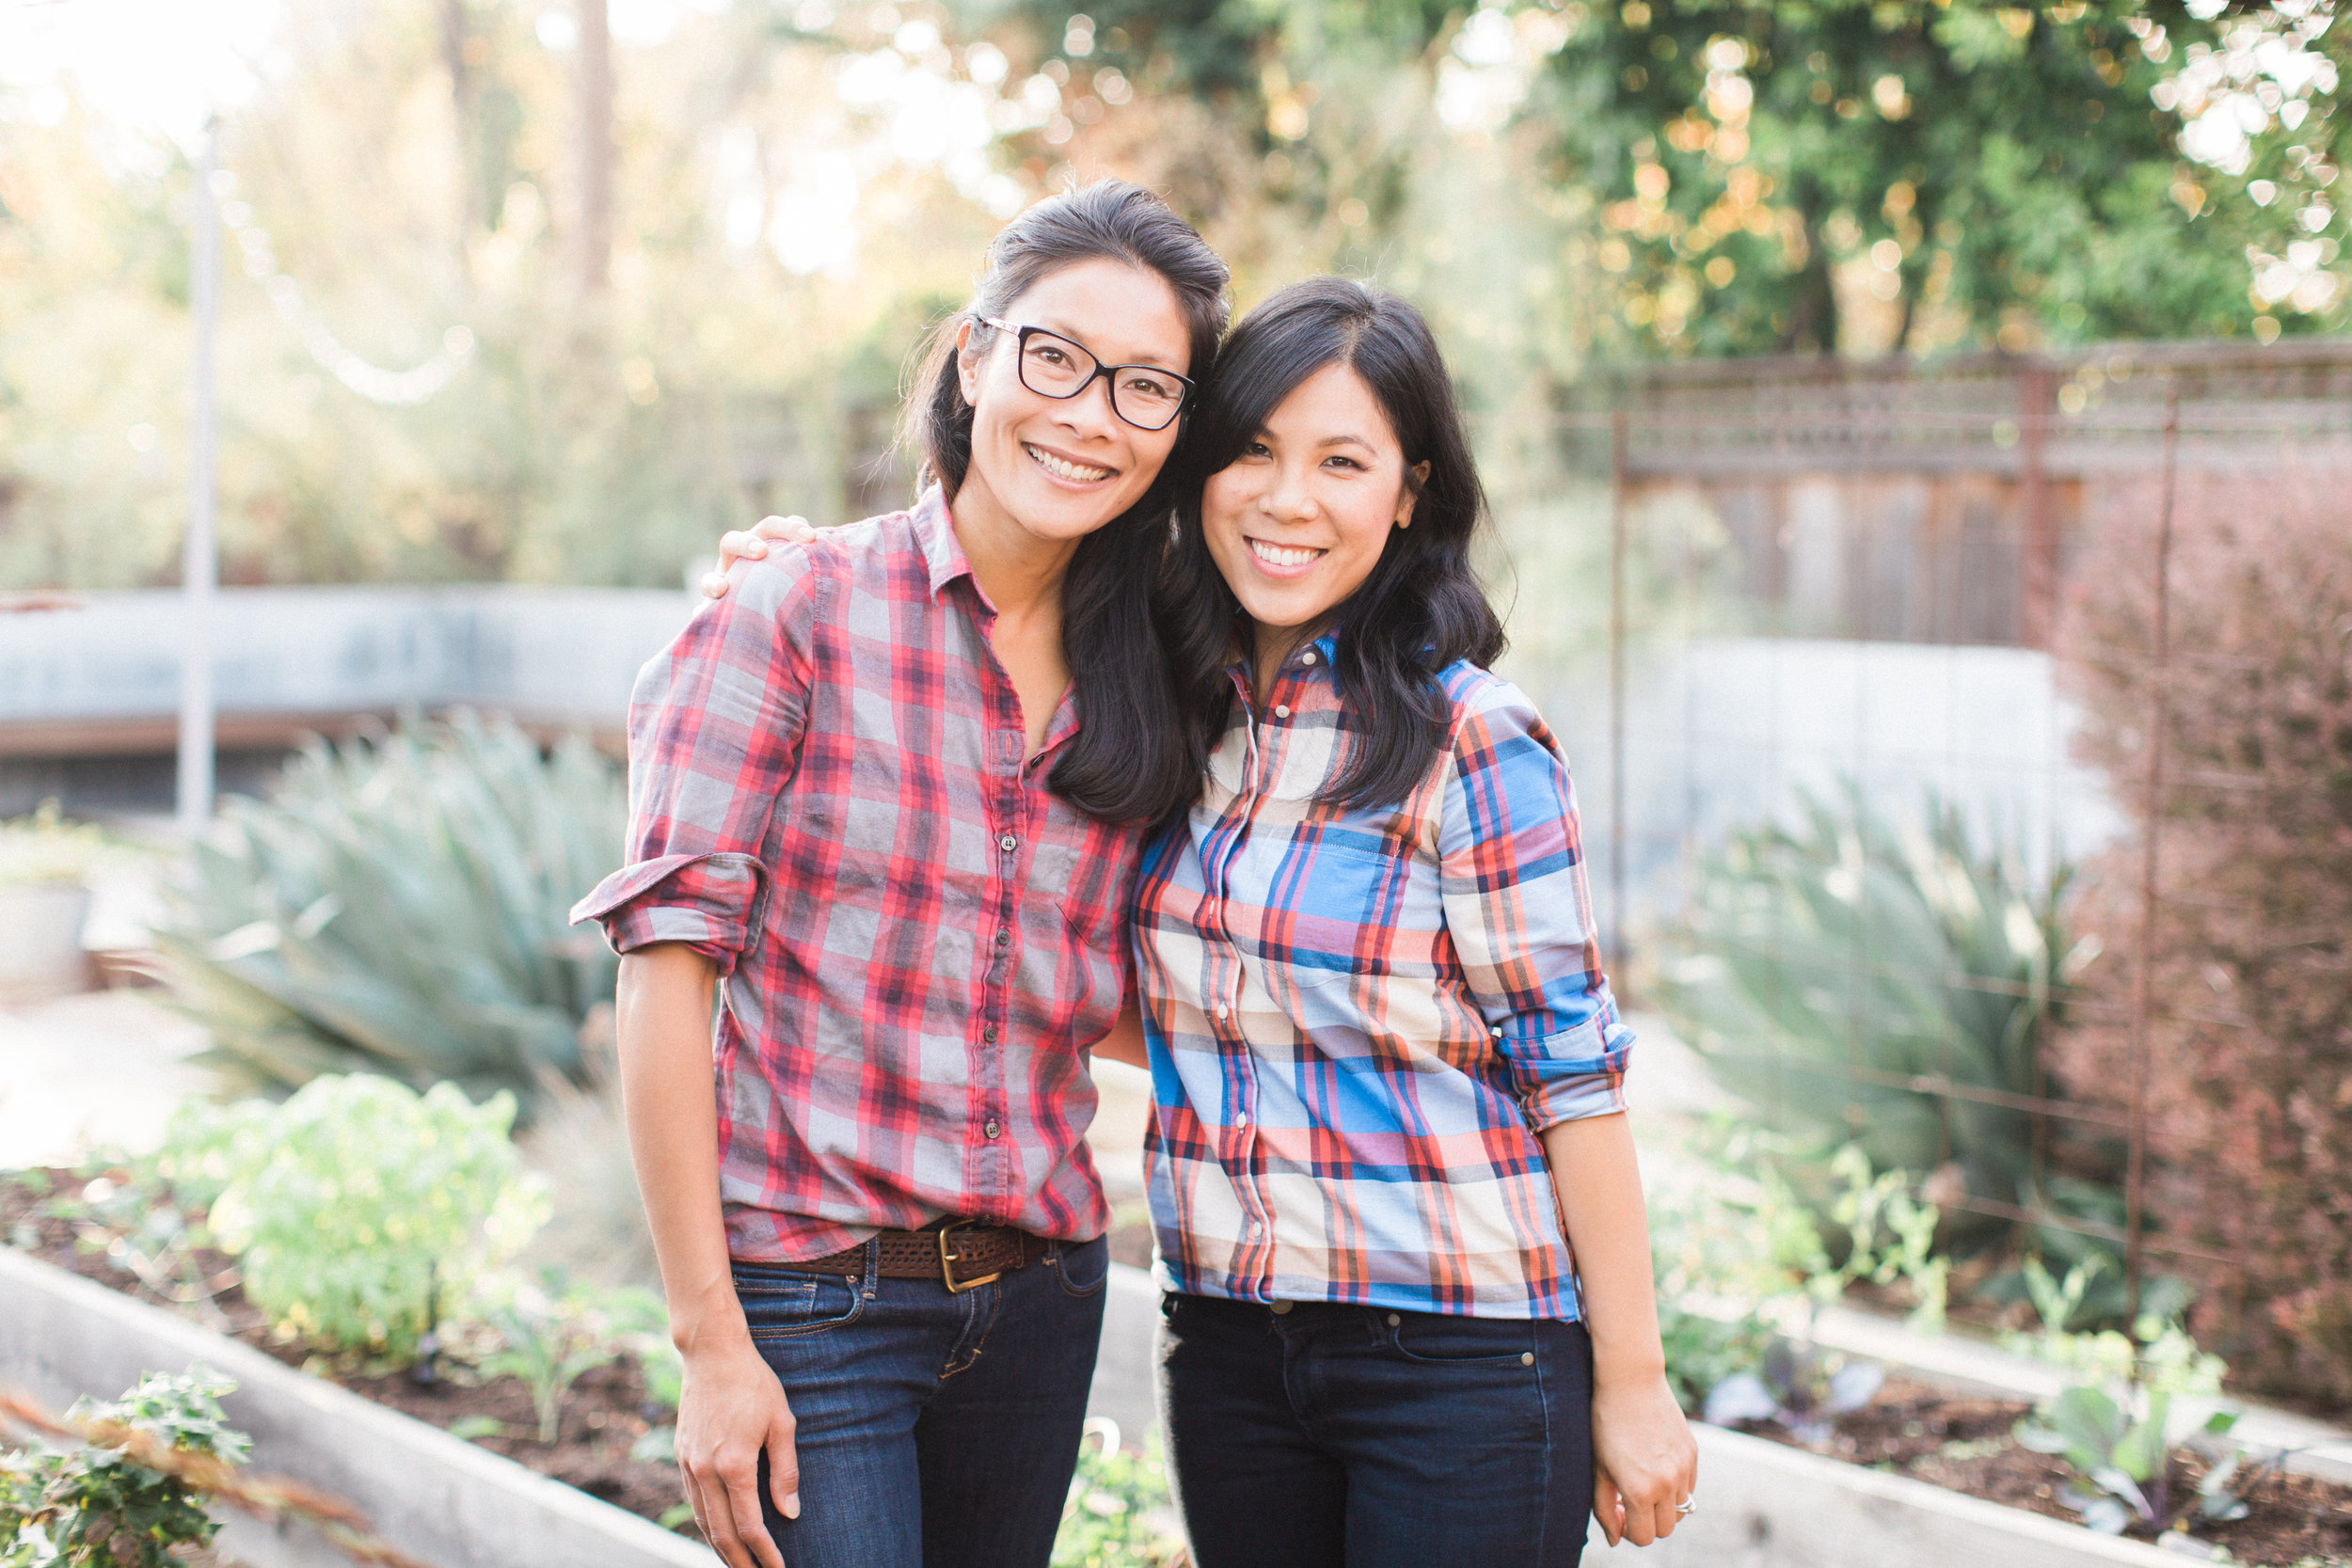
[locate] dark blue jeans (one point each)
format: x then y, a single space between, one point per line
1332 1437
935 1431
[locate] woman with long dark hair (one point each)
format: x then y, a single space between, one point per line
1409 1309
1399 1218
888 803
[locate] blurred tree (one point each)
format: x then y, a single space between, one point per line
1855 174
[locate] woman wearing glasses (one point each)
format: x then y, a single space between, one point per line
1409 1312
888 802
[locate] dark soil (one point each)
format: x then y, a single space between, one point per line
603 1415
1965 1444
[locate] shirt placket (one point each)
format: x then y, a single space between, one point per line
1007 826
1237 1135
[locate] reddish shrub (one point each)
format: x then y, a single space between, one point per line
2250 1044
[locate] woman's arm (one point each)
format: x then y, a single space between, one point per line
732 1407
1520 916
1644 1459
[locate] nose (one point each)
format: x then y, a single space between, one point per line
1289 498
1089 414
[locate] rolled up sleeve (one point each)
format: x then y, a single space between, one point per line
1520 913
714 732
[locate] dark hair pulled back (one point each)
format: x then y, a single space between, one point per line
1422 609
1132 760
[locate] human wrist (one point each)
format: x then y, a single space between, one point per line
1627 1366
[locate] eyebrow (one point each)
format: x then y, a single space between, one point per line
1059 330
1340 440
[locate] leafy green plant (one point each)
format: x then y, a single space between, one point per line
1120 1514
95 1506
355 1201
401 906
2158 1354
1888 1236
548 1336
45 848
2121 1455
1832 966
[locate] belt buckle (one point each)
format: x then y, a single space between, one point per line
948 1262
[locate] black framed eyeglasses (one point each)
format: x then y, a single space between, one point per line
1053 366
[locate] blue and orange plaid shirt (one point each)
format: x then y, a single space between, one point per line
1361 1021
917 938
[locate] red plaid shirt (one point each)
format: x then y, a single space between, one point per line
918 940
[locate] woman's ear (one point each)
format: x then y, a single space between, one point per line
968 363
1415 477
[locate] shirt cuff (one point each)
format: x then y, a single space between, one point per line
1576 1073
708 902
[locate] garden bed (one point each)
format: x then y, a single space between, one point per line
603 1418
1965 1444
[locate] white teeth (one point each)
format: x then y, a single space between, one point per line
1060 469
1282 555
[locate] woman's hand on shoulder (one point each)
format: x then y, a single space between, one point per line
1645 1460
737 544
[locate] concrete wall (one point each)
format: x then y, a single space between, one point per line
562 656
1721 732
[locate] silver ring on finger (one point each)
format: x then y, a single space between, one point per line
1688 1505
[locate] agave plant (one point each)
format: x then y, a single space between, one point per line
1830 968
400 906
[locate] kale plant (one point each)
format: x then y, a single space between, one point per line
97 1508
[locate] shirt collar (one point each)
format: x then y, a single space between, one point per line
941 551
1325 648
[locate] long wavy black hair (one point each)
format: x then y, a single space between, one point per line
1130 761
1422 607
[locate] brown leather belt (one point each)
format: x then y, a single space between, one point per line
960 1253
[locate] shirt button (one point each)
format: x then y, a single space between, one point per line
1007 844
988 1034
1281 710
1220 1013
1004 940
1242 1119
1306 658
994 1127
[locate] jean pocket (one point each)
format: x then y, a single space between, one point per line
780 1303
1084 1267
1450 1339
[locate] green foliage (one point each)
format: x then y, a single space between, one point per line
1886 1235
94 1508
548 1337
2121 1451
2159 1353
357 1203
45 848
1120 1514
1829 967
401 906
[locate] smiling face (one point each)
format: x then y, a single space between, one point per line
1057 468
1299 520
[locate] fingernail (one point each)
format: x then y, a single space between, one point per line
792 1506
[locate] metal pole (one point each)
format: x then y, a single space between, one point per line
2135 1179
1617 482
201 563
